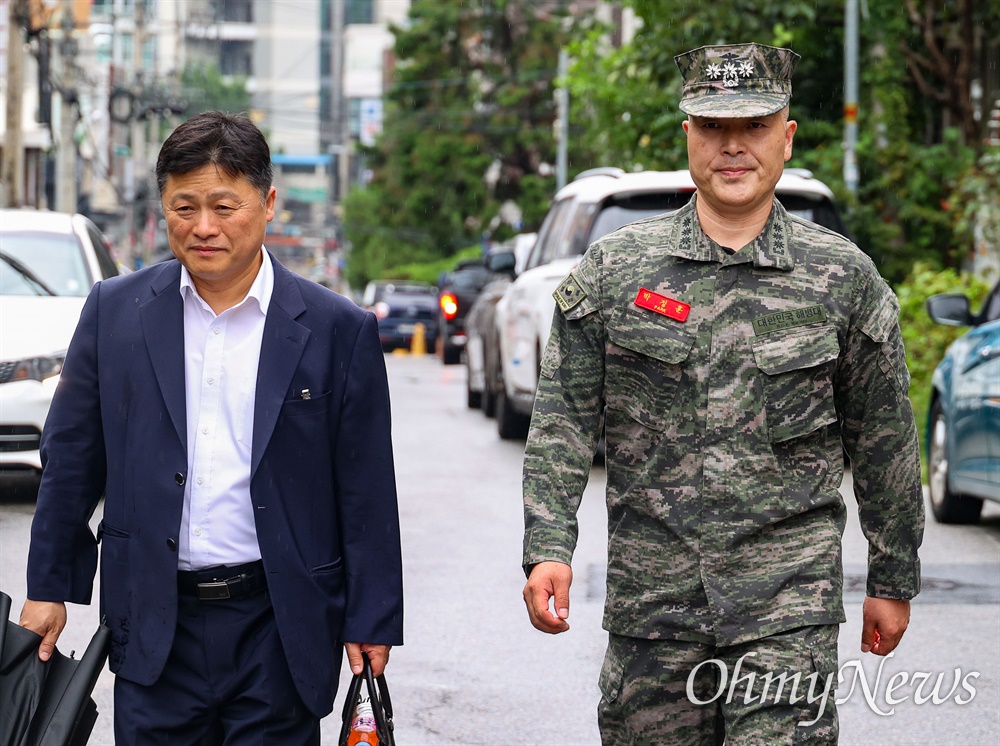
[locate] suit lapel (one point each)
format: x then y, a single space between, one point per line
280 351
162 320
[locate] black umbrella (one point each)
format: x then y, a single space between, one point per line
46 703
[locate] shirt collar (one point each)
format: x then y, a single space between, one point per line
261 289
770 248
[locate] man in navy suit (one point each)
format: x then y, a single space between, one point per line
236 419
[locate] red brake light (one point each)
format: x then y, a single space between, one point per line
449 305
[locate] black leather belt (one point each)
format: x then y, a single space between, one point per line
220 583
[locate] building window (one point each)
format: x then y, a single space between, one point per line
359 11
101 8
236 59
354 117
149 53
298 168
237 11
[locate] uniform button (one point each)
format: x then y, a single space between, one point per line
172 545
179 478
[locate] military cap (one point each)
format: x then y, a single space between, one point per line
736 80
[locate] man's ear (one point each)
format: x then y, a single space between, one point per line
790 127
685 124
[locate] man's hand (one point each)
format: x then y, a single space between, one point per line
46 618
885 621
377 654
549 580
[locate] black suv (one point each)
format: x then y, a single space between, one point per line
458 291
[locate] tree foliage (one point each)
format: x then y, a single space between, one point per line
468 128
469 117
204 88
915 66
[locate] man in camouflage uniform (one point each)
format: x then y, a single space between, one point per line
736 352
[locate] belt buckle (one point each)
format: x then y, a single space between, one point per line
217 591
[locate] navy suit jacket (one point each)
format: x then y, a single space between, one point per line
322 479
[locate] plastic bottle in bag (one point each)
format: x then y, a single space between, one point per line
363 726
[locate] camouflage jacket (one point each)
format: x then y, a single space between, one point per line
728 408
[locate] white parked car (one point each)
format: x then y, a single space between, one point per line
594 204
49 261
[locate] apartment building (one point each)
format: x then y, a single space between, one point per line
313 69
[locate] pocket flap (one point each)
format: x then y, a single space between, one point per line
649 334
803 348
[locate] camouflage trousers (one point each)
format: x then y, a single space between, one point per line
776 690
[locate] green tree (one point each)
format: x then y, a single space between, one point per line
468 127
628 96
916 66
204 88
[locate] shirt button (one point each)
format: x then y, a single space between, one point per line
179 478
204 431
197 532
172 545
200 480
211 381
217 330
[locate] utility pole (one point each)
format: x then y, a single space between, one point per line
851 95
562 119
12 168
337 100
135 167
67 155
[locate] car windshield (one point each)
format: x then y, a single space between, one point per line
617 216
619 211
991 308
469 278
420 297
410 289
43 264
16 279
817 209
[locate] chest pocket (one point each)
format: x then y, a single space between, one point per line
797 377
644 364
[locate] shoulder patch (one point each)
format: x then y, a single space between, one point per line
569 293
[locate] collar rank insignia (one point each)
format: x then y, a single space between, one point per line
673 309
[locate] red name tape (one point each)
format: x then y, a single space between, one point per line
669 307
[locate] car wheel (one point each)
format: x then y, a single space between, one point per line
490 383
511 424
489 403
473 399
947 506
452 355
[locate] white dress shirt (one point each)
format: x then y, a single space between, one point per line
221 354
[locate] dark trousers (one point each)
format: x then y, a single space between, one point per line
226 683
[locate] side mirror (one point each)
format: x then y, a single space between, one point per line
951 309
502 261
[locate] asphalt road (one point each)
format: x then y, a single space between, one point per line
473 671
